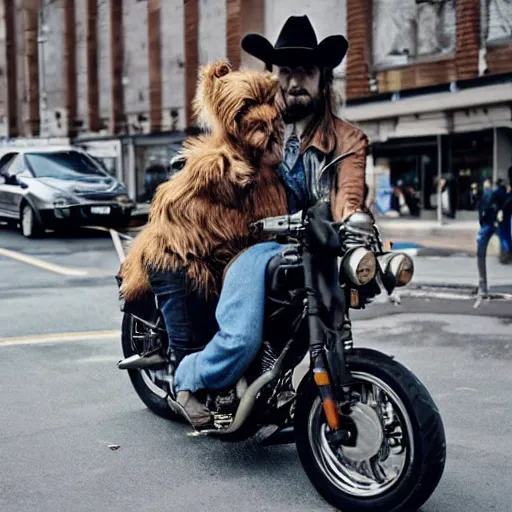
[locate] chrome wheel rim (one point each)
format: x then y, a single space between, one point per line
153 379
385 444
26 222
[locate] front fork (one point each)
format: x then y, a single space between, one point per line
329 367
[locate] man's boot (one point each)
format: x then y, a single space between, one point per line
193 410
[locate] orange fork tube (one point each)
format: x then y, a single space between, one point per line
324 387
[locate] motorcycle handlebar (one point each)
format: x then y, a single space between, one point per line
359 225
280 225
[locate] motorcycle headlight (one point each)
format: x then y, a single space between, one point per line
399 265
359 266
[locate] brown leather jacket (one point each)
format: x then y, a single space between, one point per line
347 191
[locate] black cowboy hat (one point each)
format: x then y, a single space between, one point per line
297 45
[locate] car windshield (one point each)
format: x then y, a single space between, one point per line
64 165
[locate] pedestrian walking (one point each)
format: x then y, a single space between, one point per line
490 204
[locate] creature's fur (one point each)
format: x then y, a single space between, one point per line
199 218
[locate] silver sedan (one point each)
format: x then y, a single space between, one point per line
59 187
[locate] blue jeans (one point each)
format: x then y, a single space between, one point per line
240 316
485 233
504 229
189 318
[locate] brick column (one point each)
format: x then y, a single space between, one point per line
233 31
93 97
116 66
31 22
468 38
359 35
155 64
11 67
70 64
191 56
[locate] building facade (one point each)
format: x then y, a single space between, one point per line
118 76
431 84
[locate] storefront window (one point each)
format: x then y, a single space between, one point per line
409 171
498 20
152 168
405 30
409 174
472 164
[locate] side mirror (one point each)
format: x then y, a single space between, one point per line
24 174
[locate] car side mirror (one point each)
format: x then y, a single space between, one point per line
24 174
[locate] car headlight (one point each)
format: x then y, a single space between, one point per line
359 266
399 265
61 202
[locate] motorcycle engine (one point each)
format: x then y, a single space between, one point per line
223 402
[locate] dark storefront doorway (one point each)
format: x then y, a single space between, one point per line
467 161
472 164
412 168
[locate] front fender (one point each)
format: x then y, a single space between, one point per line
27 199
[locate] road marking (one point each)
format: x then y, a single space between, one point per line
59 337
36 262
116 240
124 236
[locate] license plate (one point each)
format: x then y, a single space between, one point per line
100 210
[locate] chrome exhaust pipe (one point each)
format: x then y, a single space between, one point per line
137 362
249 398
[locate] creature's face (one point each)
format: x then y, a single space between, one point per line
243 105
300 87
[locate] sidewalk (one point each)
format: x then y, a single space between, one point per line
451 238
460 272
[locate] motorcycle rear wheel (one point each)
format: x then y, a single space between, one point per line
149 392
393 411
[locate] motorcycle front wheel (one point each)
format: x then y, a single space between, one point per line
400 448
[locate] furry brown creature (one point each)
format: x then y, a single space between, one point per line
199 218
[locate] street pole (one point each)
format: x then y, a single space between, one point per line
439 174
494 155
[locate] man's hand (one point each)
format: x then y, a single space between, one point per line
357 230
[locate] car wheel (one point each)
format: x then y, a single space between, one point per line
31 227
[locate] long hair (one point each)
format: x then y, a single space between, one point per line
324 115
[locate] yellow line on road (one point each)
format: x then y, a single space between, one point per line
30 260
59 337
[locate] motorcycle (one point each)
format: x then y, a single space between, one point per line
367 431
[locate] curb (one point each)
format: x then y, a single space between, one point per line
454 291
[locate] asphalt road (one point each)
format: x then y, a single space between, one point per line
64 402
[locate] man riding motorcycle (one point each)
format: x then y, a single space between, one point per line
314 136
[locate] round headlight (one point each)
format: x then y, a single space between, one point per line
360 266
399 265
